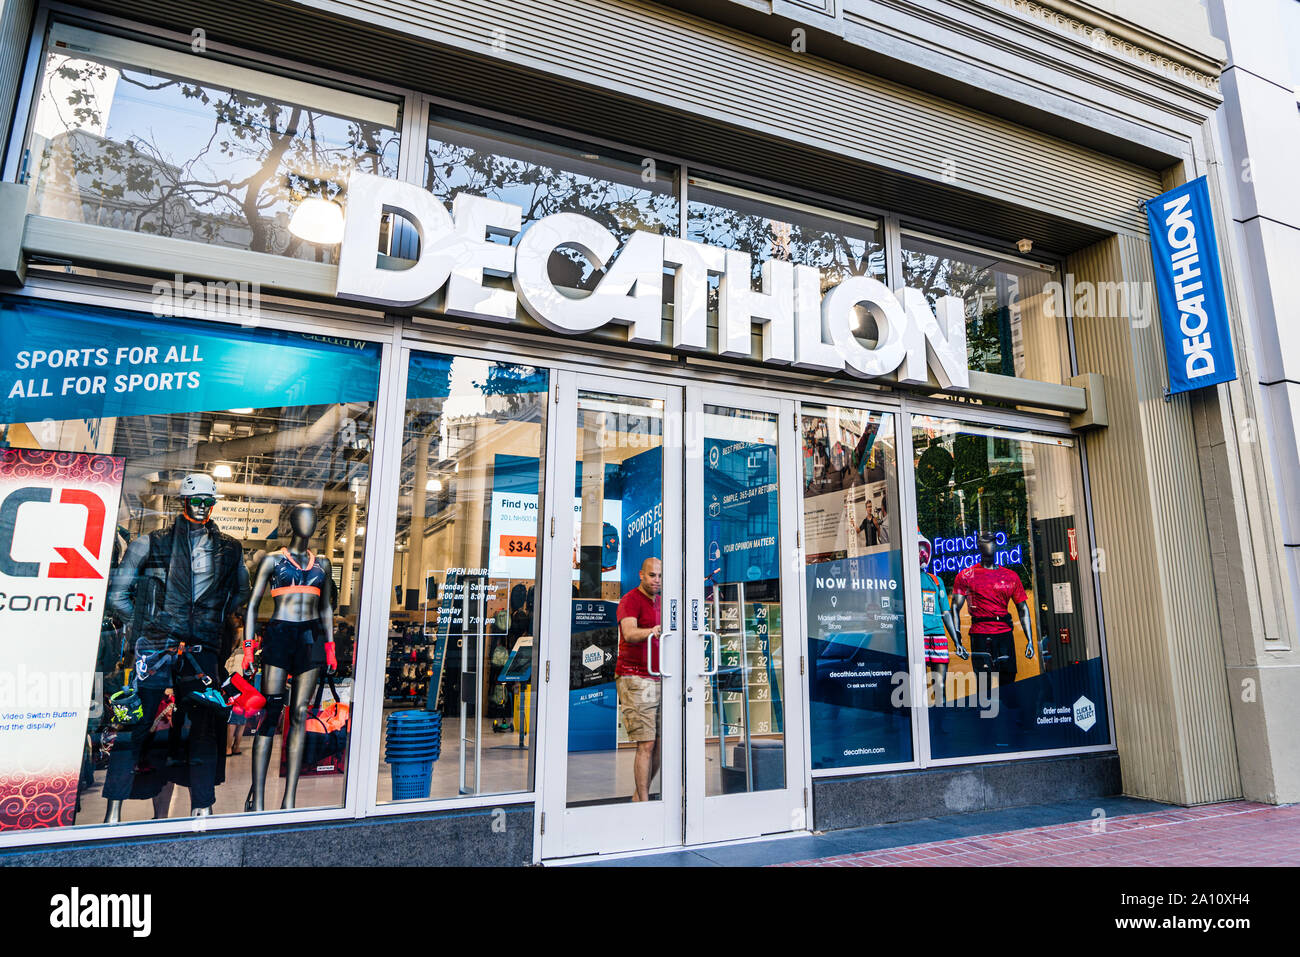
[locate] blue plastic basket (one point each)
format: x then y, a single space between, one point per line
412 779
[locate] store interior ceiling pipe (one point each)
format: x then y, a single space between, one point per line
278 493
273 493
305 436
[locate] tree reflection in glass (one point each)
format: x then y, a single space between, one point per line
838 248
991 291
131 147
619 193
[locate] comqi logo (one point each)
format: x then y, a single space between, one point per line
77 562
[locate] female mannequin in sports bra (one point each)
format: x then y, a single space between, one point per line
298 640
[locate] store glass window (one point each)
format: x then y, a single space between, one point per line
182 529
1011 328
459 675
839 247
152 140
1012 651
621 192
854 583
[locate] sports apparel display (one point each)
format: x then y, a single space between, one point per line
934 605
297 643
295 646
290 578
990 590
176 586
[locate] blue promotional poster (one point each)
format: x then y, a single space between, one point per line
741 518
642 514
858 651
59 363
1189 285
593 699
1052 699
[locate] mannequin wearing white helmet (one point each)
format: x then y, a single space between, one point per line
196 483
177 587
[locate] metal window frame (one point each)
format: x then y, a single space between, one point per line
902 493
1092 614
369 803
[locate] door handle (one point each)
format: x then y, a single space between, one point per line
649 658
717 655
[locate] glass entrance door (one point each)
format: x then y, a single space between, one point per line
743 694
612 739
672 710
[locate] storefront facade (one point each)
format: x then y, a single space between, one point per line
814 375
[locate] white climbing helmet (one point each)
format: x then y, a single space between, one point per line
198 484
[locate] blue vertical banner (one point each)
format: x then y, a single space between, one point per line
1189 283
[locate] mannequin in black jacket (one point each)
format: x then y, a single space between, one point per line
176 586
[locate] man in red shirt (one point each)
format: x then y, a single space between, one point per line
638 689
990 588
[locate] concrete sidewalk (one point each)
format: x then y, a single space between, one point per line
1107 831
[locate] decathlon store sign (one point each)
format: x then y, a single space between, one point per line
798 325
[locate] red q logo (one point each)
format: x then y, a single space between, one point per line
76 561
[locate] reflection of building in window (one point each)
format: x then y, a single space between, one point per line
88 178
149 150
1009 330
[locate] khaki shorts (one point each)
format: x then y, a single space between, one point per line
638 705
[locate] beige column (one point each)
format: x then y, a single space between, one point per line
415 546
349 557
158 505
1173 721
1252 590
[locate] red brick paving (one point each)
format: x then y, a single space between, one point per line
1216 835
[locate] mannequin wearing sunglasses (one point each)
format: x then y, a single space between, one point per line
176 587
298 639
